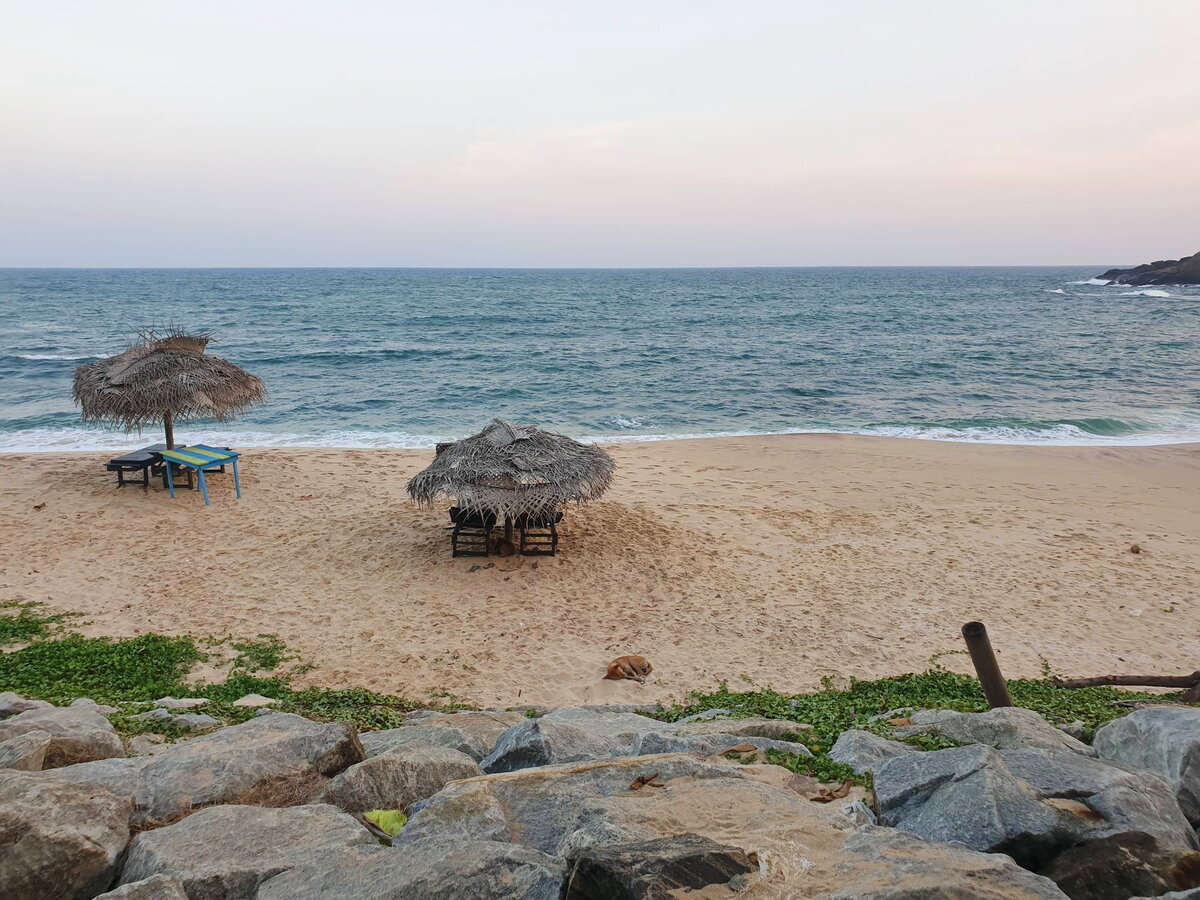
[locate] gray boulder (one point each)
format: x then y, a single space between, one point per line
1030 804
706 715
463 870
76 734
472 733
882 864
865 752
278 760
539 807
156 887
1006 728
89 703
1164 740
1103 797
1193 894
569 735
25 752
1120 866
707 743
539 742
658 868
399 777
11 704
58 841
773 729
226 852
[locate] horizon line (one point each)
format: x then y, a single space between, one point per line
573 268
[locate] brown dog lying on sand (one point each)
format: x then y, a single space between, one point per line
635 668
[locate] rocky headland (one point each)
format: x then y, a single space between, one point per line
1164 271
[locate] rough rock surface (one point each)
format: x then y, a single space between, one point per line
472 733
881 864
538 742
25 752
1117 867
156 887
226 852
538 807
654 869
276 760
1006 728
58 841
1163 271
865 752
775 729
1164 740
1030 804
707 743
399 777
11 704
463 870
77 735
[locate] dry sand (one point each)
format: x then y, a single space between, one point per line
766 560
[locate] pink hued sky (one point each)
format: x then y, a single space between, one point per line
663 133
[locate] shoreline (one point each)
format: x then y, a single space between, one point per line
766 560
116 444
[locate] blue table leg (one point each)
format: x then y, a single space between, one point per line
203 486
237 485
170 480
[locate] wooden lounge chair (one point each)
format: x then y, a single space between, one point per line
137 461
539 534
202 458
472 532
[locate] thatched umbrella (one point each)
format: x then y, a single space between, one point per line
164 379
513 470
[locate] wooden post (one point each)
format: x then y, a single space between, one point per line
995 689
169 427
508 529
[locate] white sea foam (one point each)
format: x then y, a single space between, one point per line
1148 293
42 440
1056 291
1098 282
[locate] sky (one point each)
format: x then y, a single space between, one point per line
559 133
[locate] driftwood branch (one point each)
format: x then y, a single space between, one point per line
1191 683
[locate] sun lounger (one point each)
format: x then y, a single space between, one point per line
472 532
539 534
138 461
201 458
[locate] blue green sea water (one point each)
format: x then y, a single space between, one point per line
407 357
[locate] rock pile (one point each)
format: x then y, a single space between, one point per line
598 802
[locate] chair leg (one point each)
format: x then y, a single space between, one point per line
169 479
203 486
237 484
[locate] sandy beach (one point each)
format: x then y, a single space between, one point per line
771 561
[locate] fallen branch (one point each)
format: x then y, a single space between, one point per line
1191 683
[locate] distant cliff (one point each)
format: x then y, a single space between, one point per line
1166 271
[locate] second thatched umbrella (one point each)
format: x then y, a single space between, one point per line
514 470
166 380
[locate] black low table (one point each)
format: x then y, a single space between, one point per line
146 461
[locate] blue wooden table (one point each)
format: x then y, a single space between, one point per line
201 458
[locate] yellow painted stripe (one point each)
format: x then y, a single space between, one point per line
208 454
179 456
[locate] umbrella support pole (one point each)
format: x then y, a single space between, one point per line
508 529
169 428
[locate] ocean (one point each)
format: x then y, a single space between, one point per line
408 357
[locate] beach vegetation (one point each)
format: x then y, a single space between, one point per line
26 621
830 711
54 664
